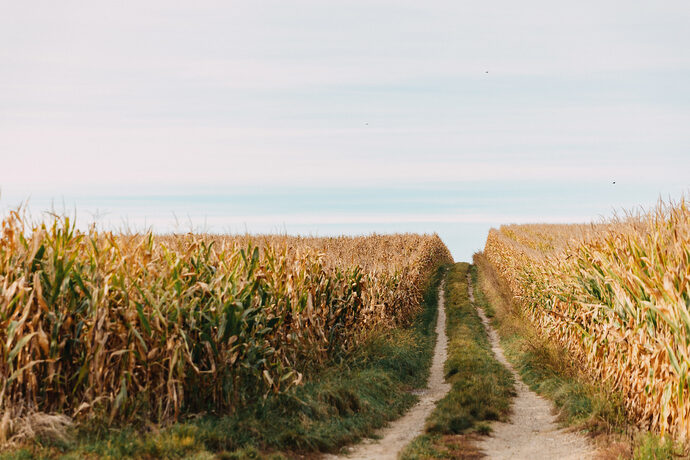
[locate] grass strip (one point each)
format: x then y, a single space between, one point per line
549 370
481 387
340 405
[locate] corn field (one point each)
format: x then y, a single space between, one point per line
617 296
154 327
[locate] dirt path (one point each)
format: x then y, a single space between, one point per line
399 433
532 432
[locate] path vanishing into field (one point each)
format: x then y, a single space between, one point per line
399 433
532 432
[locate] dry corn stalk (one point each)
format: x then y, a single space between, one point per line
617 295
155 326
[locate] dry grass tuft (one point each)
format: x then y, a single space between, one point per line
52 428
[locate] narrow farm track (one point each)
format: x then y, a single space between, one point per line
395 436
532 432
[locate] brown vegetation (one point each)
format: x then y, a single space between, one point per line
152 327
617 296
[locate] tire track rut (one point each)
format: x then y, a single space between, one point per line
532 432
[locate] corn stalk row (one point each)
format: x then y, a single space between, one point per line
617 295
156 327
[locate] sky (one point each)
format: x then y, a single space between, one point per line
329 117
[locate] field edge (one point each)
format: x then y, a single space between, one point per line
592 408
337 406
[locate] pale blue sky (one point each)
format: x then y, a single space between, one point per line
355 116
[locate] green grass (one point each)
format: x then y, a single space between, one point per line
650 446
591 407
337 406
481 388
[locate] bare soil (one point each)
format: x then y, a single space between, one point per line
532 432
394 437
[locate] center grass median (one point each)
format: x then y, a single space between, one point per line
481 387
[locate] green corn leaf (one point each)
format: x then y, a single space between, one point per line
142 318
20 344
